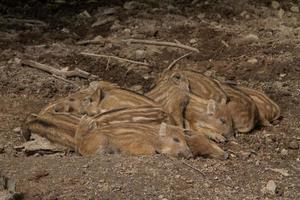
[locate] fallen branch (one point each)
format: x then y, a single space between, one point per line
114 57
76 72
158 43
67 81
176 60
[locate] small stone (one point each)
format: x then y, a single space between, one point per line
280 13
252 61
284 152
160 196
275 5
201 16
193 41
270 188
85 14
65 30
177 176
294 144
85 166
17 130
140 54
109 11
130 5
282 75
251 37
164 199
171 8
294 9
245 155
189 181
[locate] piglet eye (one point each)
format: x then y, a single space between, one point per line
176 140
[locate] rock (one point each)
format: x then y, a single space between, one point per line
39 145
131 5
270 188
280 13
171 8
85 14
275 5
284 152
17 130
245 155
294 9
104 21
293 145
189 181
193 41
140 54
251 37
109 11
201 16
252 61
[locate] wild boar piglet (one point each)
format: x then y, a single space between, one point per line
131 138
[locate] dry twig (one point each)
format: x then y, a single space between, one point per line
115 57
67 81
194 168
24 21
176 60
72 73
162 43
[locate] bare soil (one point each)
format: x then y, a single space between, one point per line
268 61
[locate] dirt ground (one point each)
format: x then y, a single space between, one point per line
253 43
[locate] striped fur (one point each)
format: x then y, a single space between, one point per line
242 109
209 118
171 92
268 110
132 138
204 87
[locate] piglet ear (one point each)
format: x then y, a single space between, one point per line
163 129
211 107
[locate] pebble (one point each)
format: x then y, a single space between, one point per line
193 41
252 61
294 144
280 13
251 37
17 129
130 5
189 181
275 4
245 155
109 11
284 152
201 16
294 9
270 187
140 54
